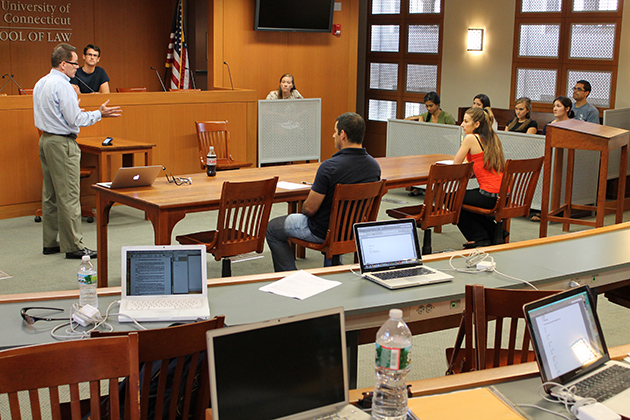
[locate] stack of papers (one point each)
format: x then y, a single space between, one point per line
299 285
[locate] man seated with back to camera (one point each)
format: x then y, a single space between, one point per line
350 165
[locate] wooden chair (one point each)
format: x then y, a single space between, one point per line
352 203
442 200
174 350
242 222
49 366
515 195
216 134
481 306
131 90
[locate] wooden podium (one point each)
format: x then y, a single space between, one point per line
579 135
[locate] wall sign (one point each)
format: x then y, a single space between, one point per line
35 22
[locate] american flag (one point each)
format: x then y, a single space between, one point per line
177 56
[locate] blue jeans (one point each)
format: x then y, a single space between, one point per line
279 230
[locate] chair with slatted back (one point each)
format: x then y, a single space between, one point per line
241 224
443 200
483 305
352 203
216 134
80 363
131 90
515 195
182 392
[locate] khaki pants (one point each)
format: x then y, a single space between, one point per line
61 207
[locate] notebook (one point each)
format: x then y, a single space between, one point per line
133 176
389 254
288 368
164 283
569 344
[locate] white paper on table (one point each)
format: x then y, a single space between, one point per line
291 185
300 285
444 162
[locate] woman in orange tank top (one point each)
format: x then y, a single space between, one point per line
482 147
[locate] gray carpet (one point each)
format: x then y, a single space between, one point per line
22 258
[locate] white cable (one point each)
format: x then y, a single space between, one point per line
517 279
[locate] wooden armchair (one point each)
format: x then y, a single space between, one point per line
352 203
483 305
216 133
49 366
242 222
515 195
442 200
131 90
174 370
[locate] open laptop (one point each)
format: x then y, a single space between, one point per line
164 283
133 176
389 254
569 345
288 368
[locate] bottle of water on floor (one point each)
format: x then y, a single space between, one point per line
393 357
87 283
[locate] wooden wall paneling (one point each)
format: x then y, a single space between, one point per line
133 36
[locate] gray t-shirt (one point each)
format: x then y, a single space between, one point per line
586 112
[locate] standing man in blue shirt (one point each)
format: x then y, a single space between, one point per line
583 110
350 165
58 116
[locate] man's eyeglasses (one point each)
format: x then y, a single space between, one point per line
578 89
30 319
71 62
176 180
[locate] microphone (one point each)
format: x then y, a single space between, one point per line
11 79
159 77
6 75
230 73
84 84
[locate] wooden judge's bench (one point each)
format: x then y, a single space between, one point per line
165 119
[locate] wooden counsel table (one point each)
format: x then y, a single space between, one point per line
126 148
166 204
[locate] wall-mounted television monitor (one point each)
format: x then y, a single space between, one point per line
294 15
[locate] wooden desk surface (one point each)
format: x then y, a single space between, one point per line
95 145
166 204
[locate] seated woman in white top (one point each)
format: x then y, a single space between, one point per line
483 101
286 90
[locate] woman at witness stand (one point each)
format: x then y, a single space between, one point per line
483 101
434 113
481 146
562 111
286 89
522 122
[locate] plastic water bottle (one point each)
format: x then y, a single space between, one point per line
87 283
393 358
211 162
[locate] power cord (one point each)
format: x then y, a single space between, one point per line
83 317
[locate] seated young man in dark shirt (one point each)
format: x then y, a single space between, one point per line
350 165
90 78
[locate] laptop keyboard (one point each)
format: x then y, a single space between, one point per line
143 305
605 384
408 272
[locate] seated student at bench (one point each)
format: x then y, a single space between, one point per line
481 146
483 101
522 122
434 113
561 110
286 89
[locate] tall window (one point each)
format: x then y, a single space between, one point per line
558 42
404 55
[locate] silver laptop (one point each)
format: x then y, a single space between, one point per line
288 368
133 176
389 254
164 283
569 345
